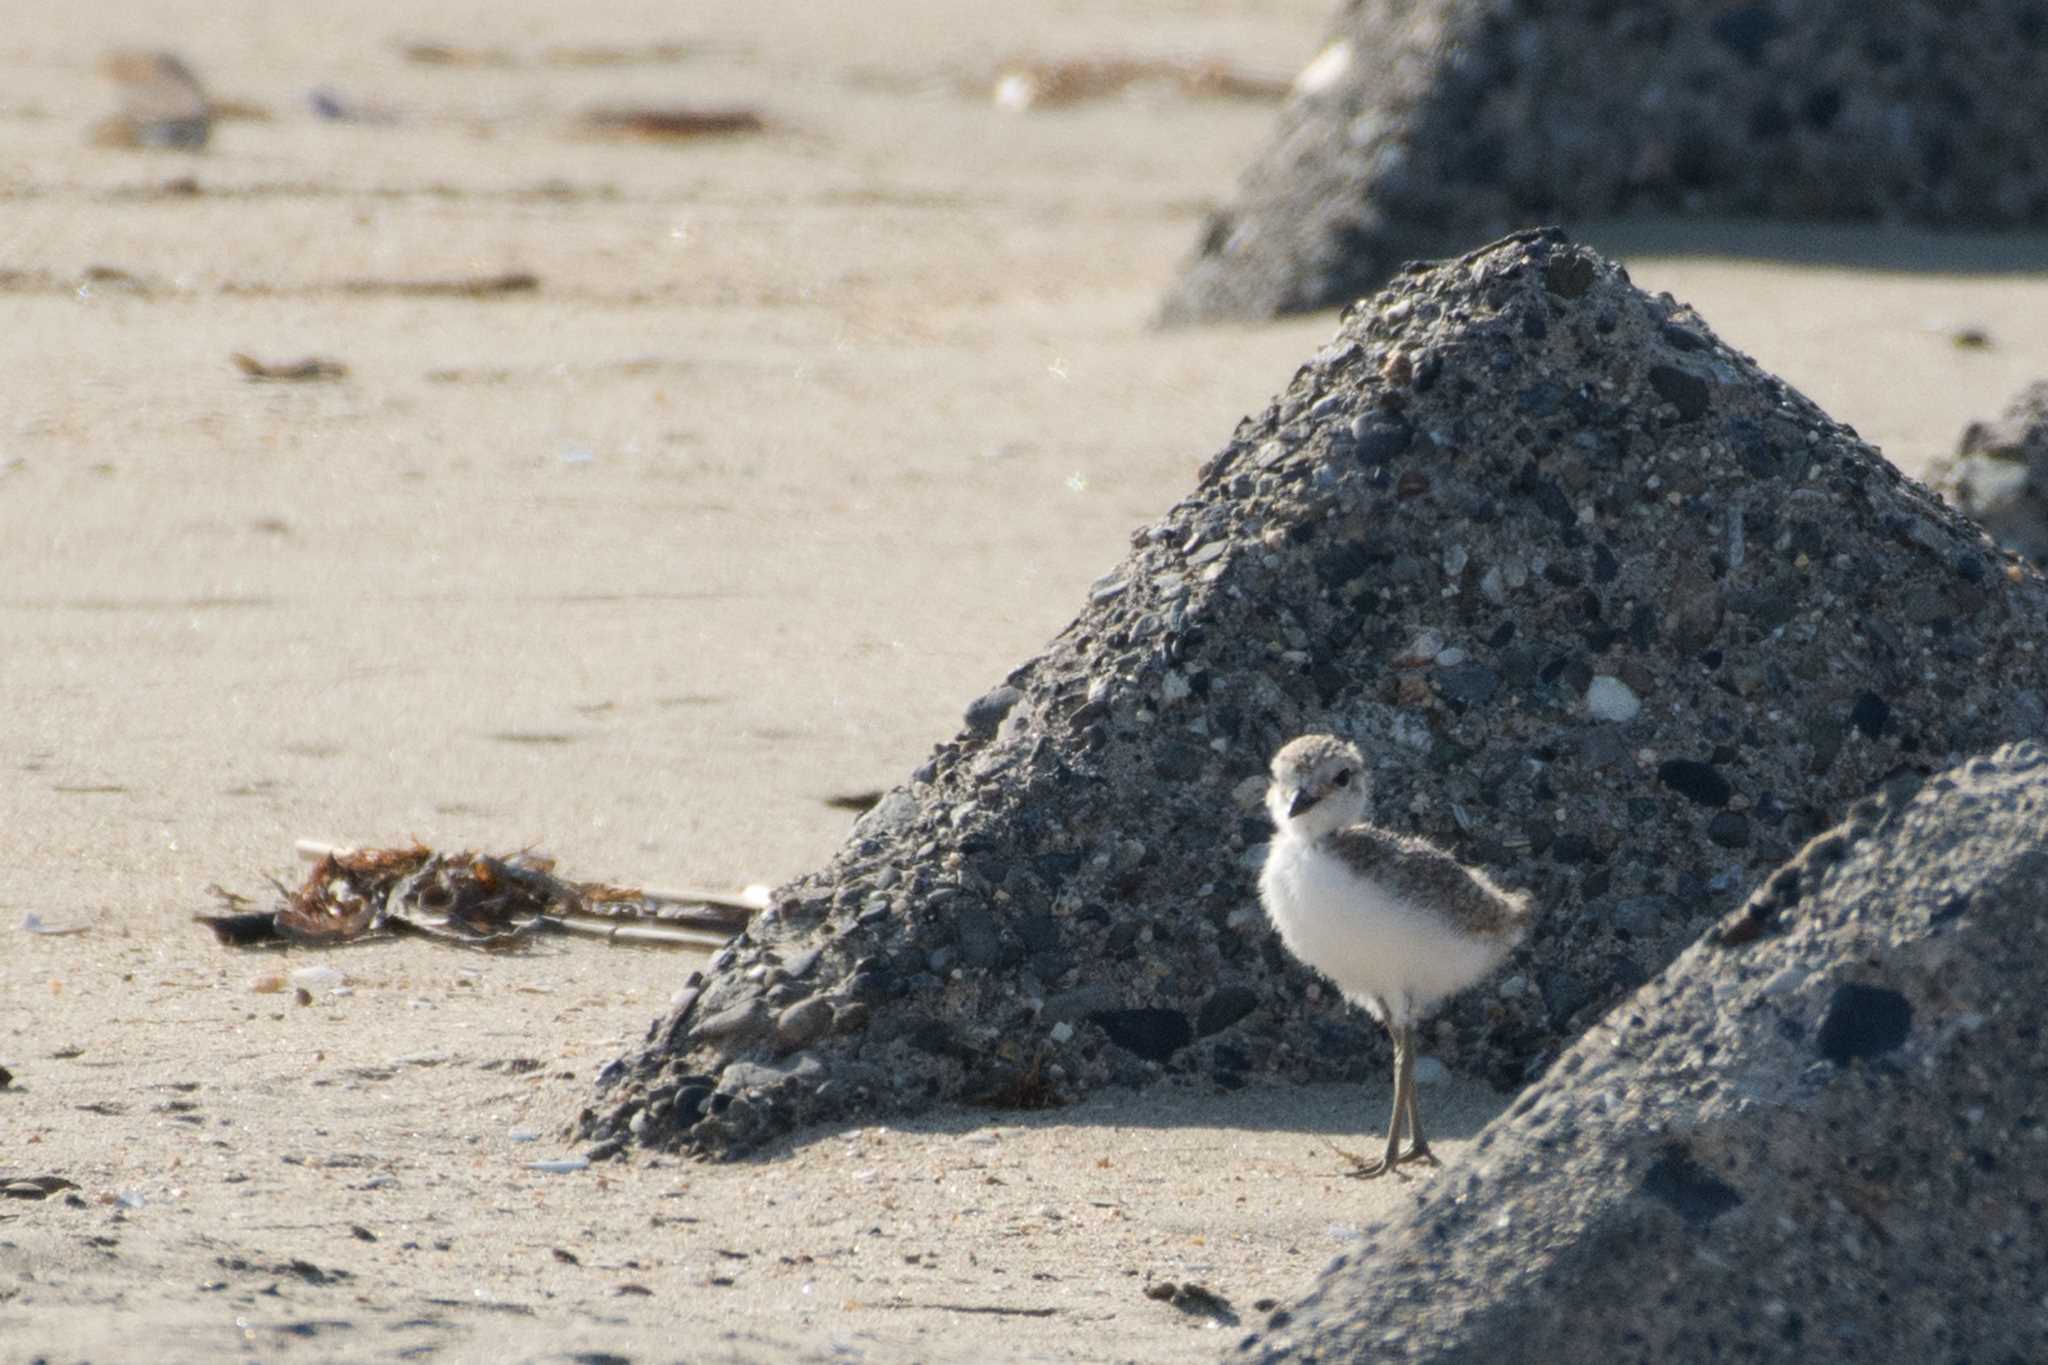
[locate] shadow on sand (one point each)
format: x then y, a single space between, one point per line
1857 246
1352 1115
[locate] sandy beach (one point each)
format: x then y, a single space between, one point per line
674 487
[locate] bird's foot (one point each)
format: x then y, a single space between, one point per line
1367 1168
1362 1167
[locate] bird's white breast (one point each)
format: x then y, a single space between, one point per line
1375 945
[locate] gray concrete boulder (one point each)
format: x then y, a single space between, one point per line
1818 1136
1428 125
1612 613
1999 474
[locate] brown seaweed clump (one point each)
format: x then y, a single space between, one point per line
473 899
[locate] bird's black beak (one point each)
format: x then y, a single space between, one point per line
1302 801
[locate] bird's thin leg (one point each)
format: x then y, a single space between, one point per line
1361 1168
1418 1149
1401 1065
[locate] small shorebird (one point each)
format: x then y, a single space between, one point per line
1396 923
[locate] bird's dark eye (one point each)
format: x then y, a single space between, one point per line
1343 777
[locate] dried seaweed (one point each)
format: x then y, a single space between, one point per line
312 369
1021 85
672 123
1196 1300
475 900
479 287
432 53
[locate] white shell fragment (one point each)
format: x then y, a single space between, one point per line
1609 698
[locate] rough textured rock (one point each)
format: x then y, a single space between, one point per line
1999 474
1478 500
1818 1136
1428 125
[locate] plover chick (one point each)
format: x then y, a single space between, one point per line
1396 923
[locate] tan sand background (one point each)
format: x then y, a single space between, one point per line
804 439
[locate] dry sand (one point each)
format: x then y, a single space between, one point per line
803 439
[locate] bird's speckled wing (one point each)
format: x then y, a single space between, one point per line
1421 872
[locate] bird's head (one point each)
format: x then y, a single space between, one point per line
1319 784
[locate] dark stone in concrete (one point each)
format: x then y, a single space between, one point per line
1228 1005
1153 1034
1641 916
1470 683
1870 714
1692 1192
1177 762
1381 439
1864 1021
1682 389
738 1023
1729 829
804 1023
1695 781
981 943
986 712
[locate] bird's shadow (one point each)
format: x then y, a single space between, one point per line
1353 1115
